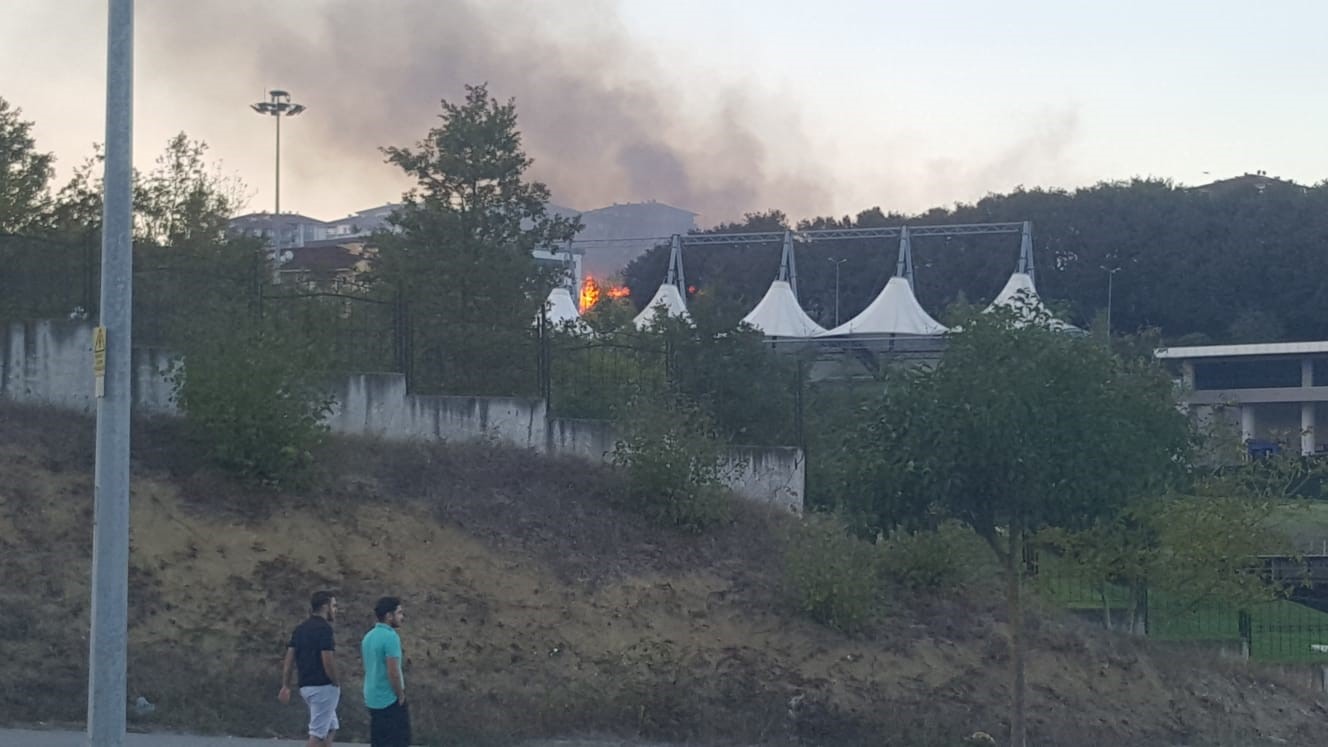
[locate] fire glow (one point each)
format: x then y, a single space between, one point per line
592 293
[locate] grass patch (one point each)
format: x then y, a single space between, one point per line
1279 631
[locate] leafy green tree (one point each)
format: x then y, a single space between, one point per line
746 387
1017 428
255 398
184 200
25 174
461 255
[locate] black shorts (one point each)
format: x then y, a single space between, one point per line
390 726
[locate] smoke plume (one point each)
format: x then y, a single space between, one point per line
595 112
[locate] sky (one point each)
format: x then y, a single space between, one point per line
718 106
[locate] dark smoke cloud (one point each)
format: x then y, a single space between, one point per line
595 113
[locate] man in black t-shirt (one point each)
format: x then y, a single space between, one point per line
310 651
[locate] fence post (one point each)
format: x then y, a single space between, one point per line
403 340
1246 625
1141 615
90 264
544 360
799 428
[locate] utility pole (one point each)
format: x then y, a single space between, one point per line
837 263
277 106
1111 274
107 698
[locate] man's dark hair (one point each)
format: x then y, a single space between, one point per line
319 600
386 606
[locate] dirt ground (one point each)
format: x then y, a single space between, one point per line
536 607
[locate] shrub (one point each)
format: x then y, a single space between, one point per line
926 559
834 576
257 401
673 463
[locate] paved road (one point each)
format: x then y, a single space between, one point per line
25 738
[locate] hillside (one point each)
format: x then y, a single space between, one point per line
536 607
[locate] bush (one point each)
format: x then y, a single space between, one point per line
257 400
834 576
926 559
673 463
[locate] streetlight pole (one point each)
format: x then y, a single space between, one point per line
837 263
107 652
277 106
1111 274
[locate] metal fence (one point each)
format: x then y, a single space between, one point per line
1277 630
178 295
366 331
753 398
48 278
589 378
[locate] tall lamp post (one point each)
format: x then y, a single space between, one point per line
1111 274
837 263
278 106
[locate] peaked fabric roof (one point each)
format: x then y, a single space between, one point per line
667 296
670 292
560 307
780 315
1020 291
895 311
1021 295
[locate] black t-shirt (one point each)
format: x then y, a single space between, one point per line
310 639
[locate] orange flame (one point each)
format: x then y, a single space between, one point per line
592 293
589 294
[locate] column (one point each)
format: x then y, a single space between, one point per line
1246 423
1307 445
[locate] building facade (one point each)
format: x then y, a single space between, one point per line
1271 396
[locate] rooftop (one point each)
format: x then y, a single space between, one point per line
1245 350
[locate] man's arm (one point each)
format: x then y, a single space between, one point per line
287 665
330 667
394 678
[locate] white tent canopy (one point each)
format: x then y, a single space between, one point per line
895 311
669 295
560 308
780 315
670 298
1020 291
1020 295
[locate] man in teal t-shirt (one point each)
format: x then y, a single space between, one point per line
384 685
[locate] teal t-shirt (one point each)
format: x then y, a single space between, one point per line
380 644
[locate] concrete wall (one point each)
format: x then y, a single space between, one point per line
50 362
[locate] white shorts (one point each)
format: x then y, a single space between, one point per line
322 701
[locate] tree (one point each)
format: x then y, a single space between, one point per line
184 200
1017 428
1192 260
25 174
1199 544
461 256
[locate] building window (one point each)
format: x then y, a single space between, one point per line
1247 374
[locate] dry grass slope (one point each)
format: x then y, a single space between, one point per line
538 607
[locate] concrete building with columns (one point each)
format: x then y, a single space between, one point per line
1268 393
